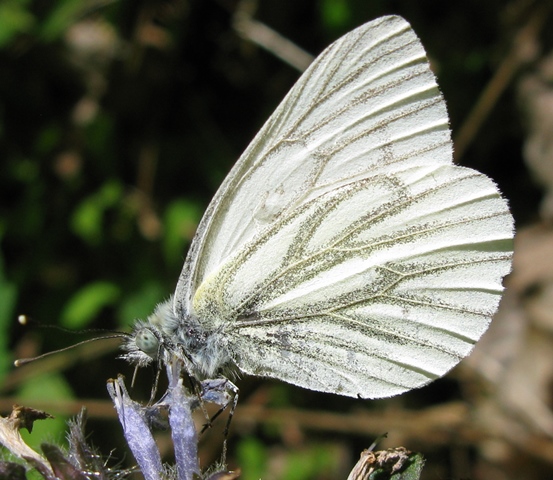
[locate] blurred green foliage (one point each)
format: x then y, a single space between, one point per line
118 120
253 453
15 19
336 14
316 461
87 304
87 219
8 292
50 387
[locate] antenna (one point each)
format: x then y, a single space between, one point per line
25 320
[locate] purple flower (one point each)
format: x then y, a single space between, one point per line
137 421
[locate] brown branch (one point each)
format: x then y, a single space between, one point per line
516 58
272 41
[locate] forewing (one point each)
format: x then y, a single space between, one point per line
367 105
344 252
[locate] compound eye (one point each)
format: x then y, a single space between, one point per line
147 342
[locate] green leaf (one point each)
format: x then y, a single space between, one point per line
87 303
141 303
411 470
87 218
14 20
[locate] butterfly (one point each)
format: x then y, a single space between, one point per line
344 252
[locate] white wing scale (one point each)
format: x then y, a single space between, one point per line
344 252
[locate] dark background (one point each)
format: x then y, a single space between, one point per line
118 121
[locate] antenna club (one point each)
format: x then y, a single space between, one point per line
24 361
23 319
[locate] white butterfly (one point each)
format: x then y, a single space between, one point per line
344 252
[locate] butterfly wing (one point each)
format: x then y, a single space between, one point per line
344 252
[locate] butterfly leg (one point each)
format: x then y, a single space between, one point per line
222 392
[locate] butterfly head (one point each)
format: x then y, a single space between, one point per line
144 345
147 341
150 340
